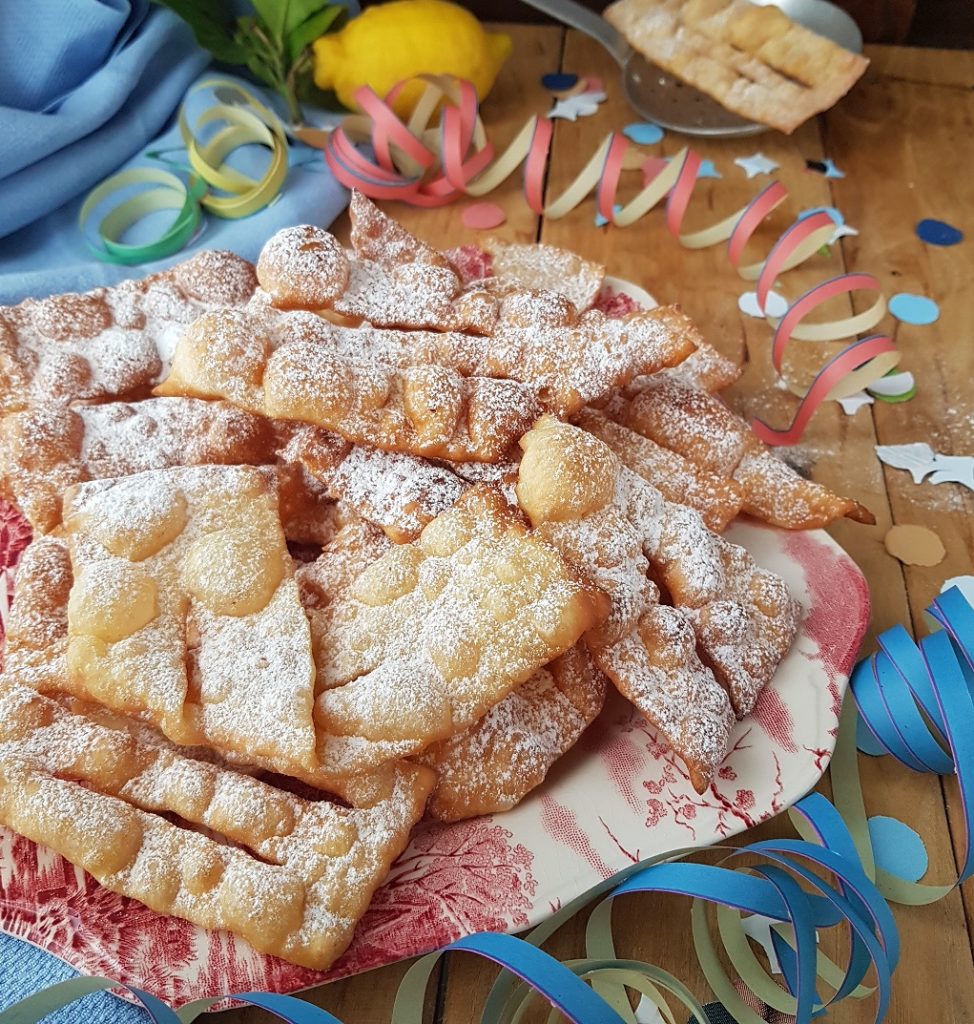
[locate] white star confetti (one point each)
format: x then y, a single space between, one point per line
756 164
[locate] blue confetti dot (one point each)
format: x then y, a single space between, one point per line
643 133
938 232
558 82
898 849
914 309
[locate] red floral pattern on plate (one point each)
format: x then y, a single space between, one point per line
618 797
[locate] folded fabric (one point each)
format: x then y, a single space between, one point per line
102 78
25 970
51 255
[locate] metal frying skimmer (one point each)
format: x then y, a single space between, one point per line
672 104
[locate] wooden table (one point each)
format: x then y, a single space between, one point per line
905 140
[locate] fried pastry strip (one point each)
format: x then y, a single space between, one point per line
36 657
743 616
50 447
533 267
494 764
111 342
656 667
425 410
718 500
753 60
433 634
290 876
702 429
184 608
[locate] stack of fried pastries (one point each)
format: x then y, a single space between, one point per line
325 548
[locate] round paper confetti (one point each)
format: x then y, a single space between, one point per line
483 216
643 133
894 387
938 232
776 305
915 545
558 82
897 848
914 309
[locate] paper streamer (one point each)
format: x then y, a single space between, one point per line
429 163
242 120
915 702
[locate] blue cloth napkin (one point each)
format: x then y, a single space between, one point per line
51 255
25 970
104 78
84 84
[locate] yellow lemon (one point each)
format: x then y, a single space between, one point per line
399 40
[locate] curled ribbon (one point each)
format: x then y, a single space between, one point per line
241 120
915 700
428 165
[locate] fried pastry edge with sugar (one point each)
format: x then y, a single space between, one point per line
35 657
698 426
494 764
433 634
293 878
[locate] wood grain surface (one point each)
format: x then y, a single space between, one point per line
905 142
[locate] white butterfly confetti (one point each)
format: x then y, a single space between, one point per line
954 469
573 107
922 461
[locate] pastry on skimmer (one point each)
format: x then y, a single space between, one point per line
753 60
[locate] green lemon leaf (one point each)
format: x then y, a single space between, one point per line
300 10
308 31
212 27
274 15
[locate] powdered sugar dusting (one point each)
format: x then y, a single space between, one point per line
111 341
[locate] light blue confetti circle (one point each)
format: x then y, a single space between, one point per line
913 309
897 848
643 133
